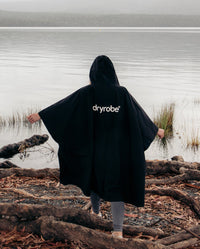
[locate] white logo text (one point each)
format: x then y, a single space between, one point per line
101 109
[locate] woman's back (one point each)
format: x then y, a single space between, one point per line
109 127
102 133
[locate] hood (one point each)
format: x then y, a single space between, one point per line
102 72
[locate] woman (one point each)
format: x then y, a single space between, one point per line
102 134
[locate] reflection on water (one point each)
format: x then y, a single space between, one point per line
39 67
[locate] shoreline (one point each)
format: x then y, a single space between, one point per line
171 203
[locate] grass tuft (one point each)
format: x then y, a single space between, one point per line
164 119
17 119
197 101
194 141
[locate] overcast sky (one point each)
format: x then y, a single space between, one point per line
188 7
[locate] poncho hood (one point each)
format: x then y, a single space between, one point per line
102 72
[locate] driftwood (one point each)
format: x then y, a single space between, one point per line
187 230
40 173
27 212
159 167
75 224
188 175
154 167
186 244
12 149
95 239
178 195
24 193
71 224
7 165
181 236
50 228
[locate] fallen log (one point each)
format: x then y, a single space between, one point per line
153 168
181 236
178 195
179 225
188 175
27 212
51 229
40 173
159 167
7 165
186 244
23 193
13 149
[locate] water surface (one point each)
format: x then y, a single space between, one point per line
41 66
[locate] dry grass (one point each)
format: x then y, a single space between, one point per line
197 101
19 119
164 119
194 141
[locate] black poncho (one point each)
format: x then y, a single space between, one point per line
102 133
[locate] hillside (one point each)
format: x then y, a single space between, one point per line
26 19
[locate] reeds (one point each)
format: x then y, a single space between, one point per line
194 140
197 101
164 119
17 119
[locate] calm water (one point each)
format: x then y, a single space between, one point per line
40 66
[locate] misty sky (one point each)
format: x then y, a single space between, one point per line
188 7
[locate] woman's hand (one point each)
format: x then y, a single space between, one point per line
161 133
33 118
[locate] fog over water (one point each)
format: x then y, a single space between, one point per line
191 7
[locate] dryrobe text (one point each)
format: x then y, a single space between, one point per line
101 109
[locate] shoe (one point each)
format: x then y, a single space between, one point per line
114 235
99 214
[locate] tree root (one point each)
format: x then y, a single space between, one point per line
159 167
40 173
188 175
181 236
178 195
78 216
51 229
26 194
154 167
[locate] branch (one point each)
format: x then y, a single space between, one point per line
13 149
178 195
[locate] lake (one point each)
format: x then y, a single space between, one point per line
40 66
